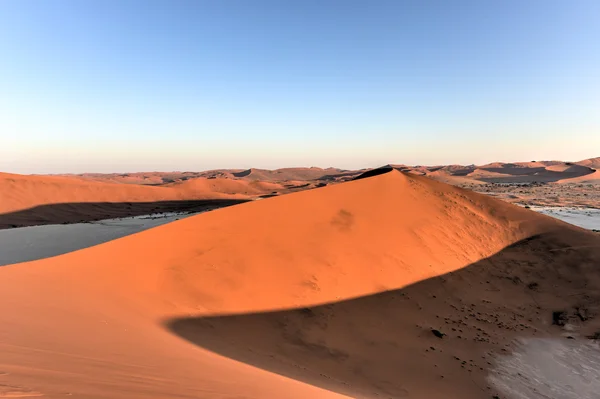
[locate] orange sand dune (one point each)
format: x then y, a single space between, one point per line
19 192
284 174
456 170
517 172
445 177
226 186
22 191
591 163
527 172
151 178
154 178
501 172
111 321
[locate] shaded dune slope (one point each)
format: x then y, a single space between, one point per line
108 321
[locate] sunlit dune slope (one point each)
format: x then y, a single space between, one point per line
92 323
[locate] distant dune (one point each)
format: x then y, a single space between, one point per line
510 173
388 286
496 172
160 178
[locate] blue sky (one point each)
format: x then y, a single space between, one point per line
190 85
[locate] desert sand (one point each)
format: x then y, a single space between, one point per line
34 200
384 287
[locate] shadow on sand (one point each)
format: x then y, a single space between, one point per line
388 345
77 212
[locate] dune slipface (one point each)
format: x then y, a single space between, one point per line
325 293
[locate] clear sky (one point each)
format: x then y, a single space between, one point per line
190 85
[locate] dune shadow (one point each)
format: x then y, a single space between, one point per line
437 338
375 172
77 212
244 173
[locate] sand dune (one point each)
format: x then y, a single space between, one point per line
133 317
448 178
201 186
153 178
286 174
28 200
500 172
527 172
21 191
591 163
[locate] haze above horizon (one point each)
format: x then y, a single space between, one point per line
118 86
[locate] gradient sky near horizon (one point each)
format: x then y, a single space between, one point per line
123 86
